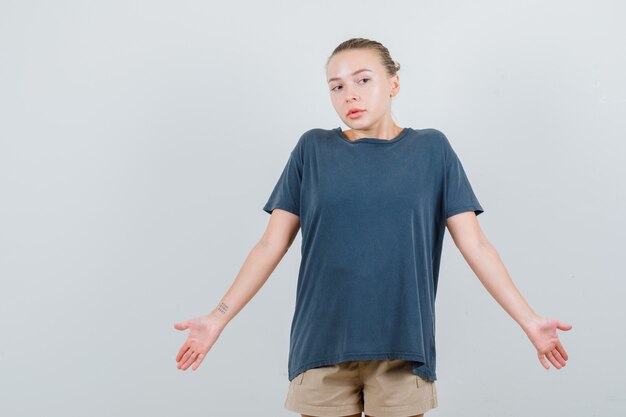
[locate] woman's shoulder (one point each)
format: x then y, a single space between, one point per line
433 134
429 131
316 135
310 140
317 132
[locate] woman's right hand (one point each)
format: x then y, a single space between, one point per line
203 332
542 333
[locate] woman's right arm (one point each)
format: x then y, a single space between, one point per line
279 234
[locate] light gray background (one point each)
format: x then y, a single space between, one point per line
139 141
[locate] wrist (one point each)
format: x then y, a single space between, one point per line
529 320
218 318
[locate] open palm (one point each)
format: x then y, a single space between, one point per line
203 332
542 333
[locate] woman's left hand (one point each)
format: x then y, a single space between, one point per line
542 333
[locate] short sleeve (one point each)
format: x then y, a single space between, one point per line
286 193
458 193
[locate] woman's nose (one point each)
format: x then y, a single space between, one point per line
349 92
350 95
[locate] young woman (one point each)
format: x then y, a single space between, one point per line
372 203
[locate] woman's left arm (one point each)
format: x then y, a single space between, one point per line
484 260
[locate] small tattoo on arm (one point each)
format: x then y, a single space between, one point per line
222 308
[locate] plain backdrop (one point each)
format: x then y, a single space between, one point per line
140 140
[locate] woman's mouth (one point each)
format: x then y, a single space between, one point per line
355 113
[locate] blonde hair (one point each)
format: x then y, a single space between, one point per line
391 66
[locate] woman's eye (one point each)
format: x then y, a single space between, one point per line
336 88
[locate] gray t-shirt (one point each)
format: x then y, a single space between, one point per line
372 217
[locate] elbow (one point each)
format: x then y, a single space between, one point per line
277 246
474 242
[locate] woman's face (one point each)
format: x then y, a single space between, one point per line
357 79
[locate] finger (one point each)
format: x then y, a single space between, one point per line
181 326
542 359
552 359
183 361
561 350
189 361
181 352
198 361
192 359
564 326
558 357
184 358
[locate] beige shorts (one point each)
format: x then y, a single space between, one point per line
380 388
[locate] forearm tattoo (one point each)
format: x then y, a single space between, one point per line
222 308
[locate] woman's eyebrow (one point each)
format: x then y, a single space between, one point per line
354 73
